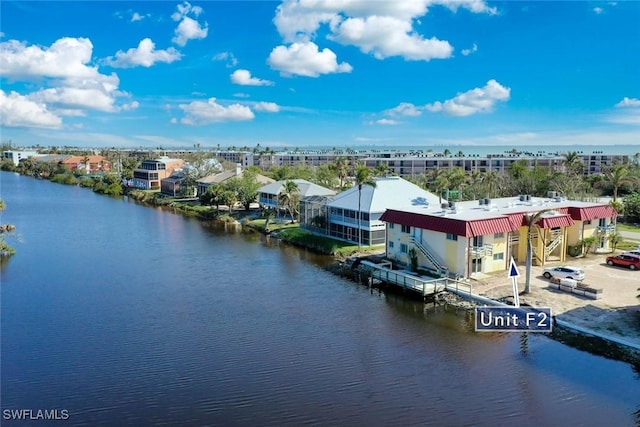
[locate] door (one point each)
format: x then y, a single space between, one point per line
476 265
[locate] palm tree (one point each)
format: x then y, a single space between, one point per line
572 162
438 182
475 182
341 167
618 176
490 179
289 197
382 169
457 178
364 176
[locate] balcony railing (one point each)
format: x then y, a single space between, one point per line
607 229
482 251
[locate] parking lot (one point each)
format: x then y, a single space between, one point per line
616 313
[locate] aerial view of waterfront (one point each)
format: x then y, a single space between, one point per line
289 212
120 313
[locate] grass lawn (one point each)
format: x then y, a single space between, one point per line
294 234
628 227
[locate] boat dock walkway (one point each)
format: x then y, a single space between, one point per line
422 285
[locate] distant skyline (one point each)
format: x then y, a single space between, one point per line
301 73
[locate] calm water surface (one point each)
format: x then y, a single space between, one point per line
129 315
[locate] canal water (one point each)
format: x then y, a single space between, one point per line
122 314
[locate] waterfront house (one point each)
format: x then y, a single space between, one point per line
222 177
151 172
268 194
342 210
468 238
16 156
87 164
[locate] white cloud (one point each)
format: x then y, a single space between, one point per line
598 10
93 98
385 36
385 122
201 112
629 102
467 52
130 106
138 17
241 95
478 100
243 77
305 59
19 111
66 57
228 57
383 28
188 28
404 109
267 107
145 55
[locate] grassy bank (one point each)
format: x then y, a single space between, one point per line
292 233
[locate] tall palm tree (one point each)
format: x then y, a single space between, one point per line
364 176
475 180
438 182
289 197
618 176
572 162
490 180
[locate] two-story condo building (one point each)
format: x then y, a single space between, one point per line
151 172
481 236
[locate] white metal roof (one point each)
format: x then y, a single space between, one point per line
306 188
390 192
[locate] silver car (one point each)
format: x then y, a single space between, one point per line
564 272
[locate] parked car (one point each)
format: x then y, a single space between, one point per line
635 252
564 272
625 260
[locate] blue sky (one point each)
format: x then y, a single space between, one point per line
320 73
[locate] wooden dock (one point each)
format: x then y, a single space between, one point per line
422 285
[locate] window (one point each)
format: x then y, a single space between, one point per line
391 225
403 248
406 229
391 244
453 237
498 236
498 257
587 223
602 222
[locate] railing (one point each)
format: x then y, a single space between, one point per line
439 266
348 220
415 283
554 244
607 229
482 251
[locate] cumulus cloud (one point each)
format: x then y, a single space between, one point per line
66 57
305 59
385 36
70 84
204 112
243 77
404 109
473 49
382 28
144 55
598 10
230 59
267 107
130 106
628 102
188 28
19 111
478 100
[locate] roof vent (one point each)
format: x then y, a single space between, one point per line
522 197
481 202
487 201
552 194
444 205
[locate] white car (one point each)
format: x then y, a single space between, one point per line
564 272
633 252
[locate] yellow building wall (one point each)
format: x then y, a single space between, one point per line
451 253
496 265
573 233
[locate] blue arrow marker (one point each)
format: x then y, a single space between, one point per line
513 270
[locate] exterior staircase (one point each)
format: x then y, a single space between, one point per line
557 239
437 264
